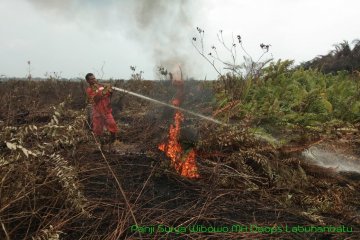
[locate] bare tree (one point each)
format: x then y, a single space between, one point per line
248 68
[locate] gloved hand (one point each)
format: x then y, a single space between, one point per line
107 89
98 88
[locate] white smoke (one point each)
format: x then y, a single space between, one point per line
164 28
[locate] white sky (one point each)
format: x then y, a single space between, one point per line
77 36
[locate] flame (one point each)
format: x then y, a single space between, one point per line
184 164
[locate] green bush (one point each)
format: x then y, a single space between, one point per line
296 96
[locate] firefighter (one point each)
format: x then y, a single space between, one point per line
98 96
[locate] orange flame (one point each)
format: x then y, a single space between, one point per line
184 164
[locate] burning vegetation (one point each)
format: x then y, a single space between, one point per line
184 163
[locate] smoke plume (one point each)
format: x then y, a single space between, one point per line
163 28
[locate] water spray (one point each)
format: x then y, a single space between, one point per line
331 159
169 105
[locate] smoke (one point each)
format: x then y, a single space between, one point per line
167 26
163 28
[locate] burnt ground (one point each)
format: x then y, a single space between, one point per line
244 181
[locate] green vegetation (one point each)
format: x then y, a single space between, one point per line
271 94
287 96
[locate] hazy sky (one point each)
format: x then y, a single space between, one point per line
73 37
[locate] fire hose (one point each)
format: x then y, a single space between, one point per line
169 105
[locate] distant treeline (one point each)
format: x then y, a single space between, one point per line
343 57
4 78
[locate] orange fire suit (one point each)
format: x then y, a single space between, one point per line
99 97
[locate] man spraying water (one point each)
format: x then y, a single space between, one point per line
101 112
98 96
